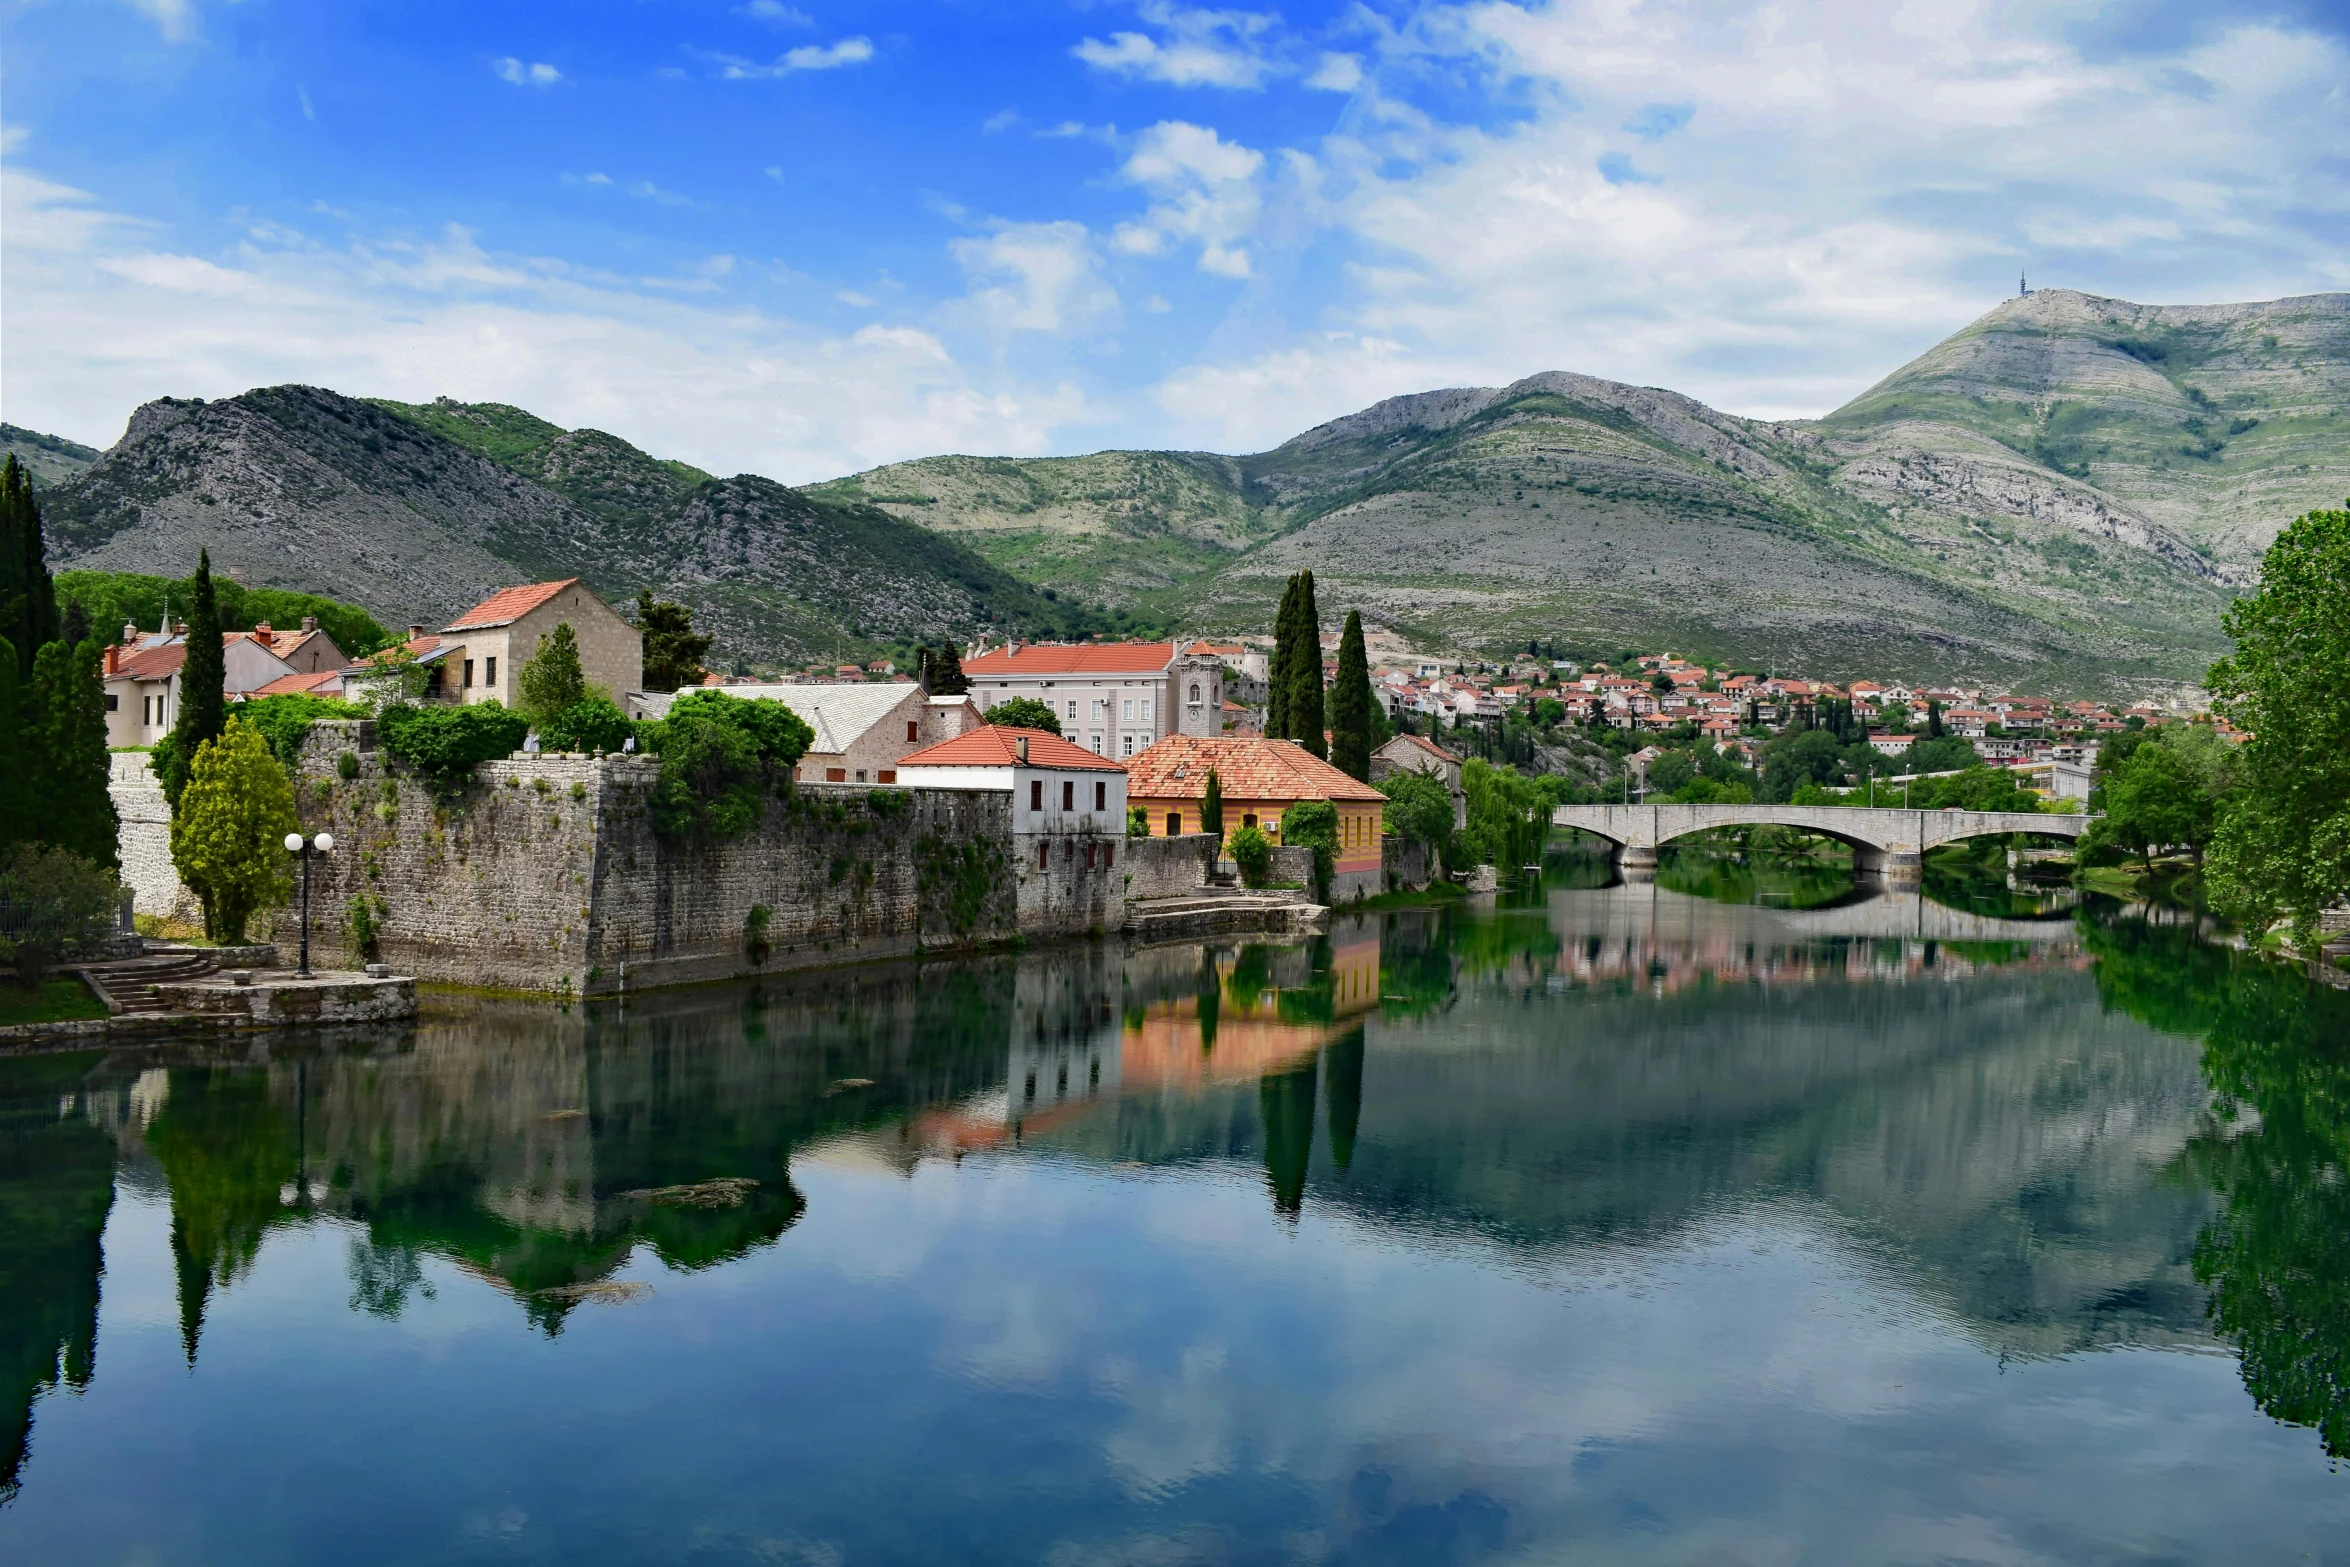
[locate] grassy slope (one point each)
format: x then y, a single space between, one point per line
49 459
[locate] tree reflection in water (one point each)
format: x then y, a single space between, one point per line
2276 1049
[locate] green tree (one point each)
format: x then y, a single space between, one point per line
1277 678
2165 790
28 600
203 700
721 756
228 831
593 723
1026 712
65 743
946 672
1933 720
16 768
1306 722
1351 704
1419 809
1211 806
444 744
553 679
60 903
1508 816
673 649
1799 757
1313 824
2283 846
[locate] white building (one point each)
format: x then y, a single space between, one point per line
1068 809
1113 698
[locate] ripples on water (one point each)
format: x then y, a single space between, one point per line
1732 1218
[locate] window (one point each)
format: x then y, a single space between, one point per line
1036 794
1109 858
112 702
1068 796
1101 796
836 775
1174 824
1126 711
489 671
469 674
1044 856
913 731
889 775
860 775
1072 709
1250 820
1096 746
1146 709
1129 745
1195 690
1089 856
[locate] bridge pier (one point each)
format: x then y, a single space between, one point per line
1888 865
1635 862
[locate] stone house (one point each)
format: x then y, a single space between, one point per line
1418 754
141 673
860 730
1114 698
1068 817
1259 779
481 653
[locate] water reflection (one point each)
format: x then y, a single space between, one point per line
2042 1136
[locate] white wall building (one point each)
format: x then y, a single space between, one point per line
1116 699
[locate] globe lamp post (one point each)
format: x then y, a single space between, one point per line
308 849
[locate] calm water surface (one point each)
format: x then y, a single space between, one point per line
1713 1221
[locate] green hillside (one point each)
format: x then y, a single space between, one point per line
48 459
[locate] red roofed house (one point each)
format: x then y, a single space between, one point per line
141 673
1068 809
1419 754
1259 779
481 652
1114 698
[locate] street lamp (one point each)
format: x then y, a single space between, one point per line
308 849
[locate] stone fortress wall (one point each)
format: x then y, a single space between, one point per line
546 875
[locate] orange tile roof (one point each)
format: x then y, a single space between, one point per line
300 684
1246 769
991 745
152 663
507 606
1072 658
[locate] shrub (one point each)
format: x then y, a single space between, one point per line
1026 712
283 721
445 744
1419 809
1313 824
755 932
779 736
1138 822
552 682
1252 851
52 903
347 766
364 917
593 723
712 784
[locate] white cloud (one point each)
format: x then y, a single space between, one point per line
1036 277
103 317
1206 190
1198 48
175 19
646 190
781 15
1337 73
808 57
536 74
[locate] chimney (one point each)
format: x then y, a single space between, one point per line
113 659
263 631
414 632
130 633
1020 749
309 623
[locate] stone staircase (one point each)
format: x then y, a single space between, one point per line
128 986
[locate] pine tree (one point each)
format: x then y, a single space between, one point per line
552 681
1305 672
203 686
946 672
673 649
1211 807
1933 720
16 805
66 745
1277 675
74 625
1351 704
28 601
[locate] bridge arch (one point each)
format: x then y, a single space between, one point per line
1885 842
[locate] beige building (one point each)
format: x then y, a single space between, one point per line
1116 699
141 673
481 653
860 730
1418 754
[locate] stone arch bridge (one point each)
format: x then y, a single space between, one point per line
1885 842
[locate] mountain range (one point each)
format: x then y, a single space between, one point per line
2068 491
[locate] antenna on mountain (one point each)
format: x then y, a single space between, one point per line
2022 291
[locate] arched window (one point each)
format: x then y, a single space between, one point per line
1195 690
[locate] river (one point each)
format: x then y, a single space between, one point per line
1724 1219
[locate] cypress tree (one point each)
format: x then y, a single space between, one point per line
66 744
946 672
1211 808
203 681
1277 675
1305 672
1933 720
28 601
1350 703
16 805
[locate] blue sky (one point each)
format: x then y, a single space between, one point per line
805 238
